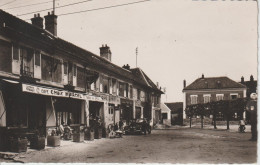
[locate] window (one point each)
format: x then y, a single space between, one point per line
114 86
131 91
51 69
219 97
15 52
142 96
138 94
5 56
37 60
105 85
134 93
121 89
74 70
111 110
80 77
46 68
164 116
127 89
206 98
65 67
233 96
193 99
57 71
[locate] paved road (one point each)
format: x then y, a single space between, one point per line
182 145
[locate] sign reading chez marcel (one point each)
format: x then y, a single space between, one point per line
56 92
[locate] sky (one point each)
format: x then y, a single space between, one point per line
176 39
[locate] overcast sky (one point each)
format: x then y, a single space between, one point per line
176 39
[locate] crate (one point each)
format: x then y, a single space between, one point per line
89 135
18 145
78 137
53 141
37 143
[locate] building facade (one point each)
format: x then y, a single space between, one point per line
46 81
210 89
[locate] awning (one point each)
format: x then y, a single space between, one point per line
11 81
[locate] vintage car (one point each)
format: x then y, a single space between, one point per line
138 126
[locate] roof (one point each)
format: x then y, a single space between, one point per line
19 30
164 108
175 106
213 83
144 78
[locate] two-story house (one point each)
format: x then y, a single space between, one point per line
209 89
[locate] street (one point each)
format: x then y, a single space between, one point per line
178 145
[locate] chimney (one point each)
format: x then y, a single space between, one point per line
202 76
37 20
157 84
184 83
126 67
242 80
51 23
251 78
105 52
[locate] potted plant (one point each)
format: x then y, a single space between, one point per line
37 141
18 144
89 133
53 139
78 134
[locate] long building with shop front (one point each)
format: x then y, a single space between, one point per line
46 81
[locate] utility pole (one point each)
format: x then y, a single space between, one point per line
136 52
54 7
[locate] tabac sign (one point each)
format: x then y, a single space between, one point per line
44 91
57 92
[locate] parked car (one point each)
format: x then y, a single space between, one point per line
138 126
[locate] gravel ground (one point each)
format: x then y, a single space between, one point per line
176 145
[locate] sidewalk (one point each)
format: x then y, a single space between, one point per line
15 156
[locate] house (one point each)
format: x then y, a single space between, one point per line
46 81
166 114
176 112
209 89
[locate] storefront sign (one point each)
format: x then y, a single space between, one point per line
114 100
126 101
44 91
56 92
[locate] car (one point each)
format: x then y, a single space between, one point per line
138 126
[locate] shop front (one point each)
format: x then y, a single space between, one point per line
138 109
21 114
126 109
113 111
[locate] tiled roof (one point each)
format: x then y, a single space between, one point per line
18 28
213 83
175 106
144 78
